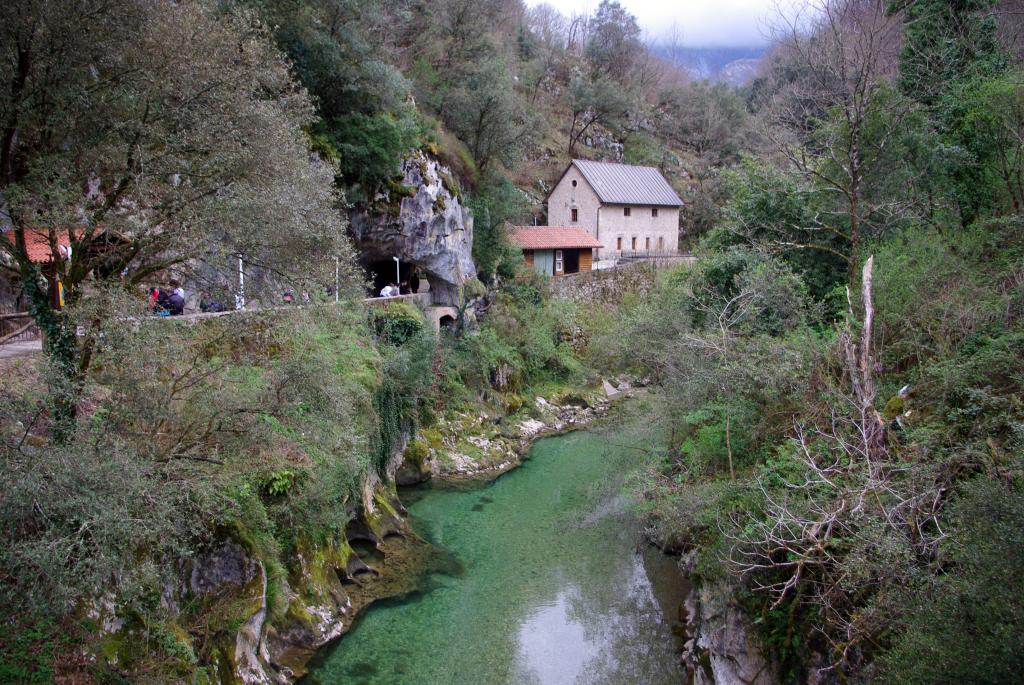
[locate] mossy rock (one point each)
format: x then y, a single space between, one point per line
417 453
894 407
433 437
474 287
450 184
513 402
385 518
316 579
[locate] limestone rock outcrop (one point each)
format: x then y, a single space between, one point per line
423 222
723 650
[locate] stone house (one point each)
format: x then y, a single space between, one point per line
630 210
555 250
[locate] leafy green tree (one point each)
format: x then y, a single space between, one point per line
992 130
496 202
366 121
964 622
599 102
152 160
367 147
710 119
773 211
614 45
486 112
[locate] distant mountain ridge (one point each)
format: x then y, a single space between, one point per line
733 65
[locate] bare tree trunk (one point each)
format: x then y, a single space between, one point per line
860 363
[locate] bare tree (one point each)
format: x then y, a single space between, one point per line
852 506
838 54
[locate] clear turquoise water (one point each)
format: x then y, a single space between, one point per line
540 582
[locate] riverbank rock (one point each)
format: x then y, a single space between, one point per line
723 649
466 445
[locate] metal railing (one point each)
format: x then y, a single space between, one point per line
653 254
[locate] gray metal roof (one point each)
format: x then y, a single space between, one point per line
622 184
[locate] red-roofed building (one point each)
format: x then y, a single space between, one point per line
37 244
555 250
40 251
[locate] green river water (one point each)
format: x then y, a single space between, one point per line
539 580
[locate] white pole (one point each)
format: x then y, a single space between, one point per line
337 282
241 285
398 271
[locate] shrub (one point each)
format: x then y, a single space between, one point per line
397 323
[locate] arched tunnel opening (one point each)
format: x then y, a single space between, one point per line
446 323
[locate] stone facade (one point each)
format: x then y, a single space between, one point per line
644 229
573 192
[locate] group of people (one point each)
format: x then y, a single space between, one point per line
404 288
392 290
167 301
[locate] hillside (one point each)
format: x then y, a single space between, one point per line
794 455
735 66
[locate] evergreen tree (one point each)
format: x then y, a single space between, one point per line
945 42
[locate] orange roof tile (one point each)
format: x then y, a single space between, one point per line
37 243
551 237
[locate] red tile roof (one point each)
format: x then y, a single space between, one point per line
551 237
38 246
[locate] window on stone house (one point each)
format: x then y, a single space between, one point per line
574 183
558 261
633 244
574 215
647 243
618 243
661 243
625 211
654 211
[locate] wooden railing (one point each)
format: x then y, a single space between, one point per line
17 327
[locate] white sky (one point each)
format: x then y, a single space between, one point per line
699 22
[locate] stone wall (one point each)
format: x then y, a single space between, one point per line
609 285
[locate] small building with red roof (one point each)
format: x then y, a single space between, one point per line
555 250
40 244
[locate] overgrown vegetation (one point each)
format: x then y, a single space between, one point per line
841 369
840 374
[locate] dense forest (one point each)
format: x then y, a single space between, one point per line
839 375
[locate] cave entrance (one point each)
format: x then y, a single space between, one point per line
446 323
383 273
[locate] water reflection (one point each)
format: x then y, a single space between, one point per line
551 589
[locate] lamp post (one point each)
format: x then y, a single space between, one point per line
240 297
398 271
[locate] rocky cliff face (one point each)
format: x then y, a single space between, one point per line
722 649
235 616
422 222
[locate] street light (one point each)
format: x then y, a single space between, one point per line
398 271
